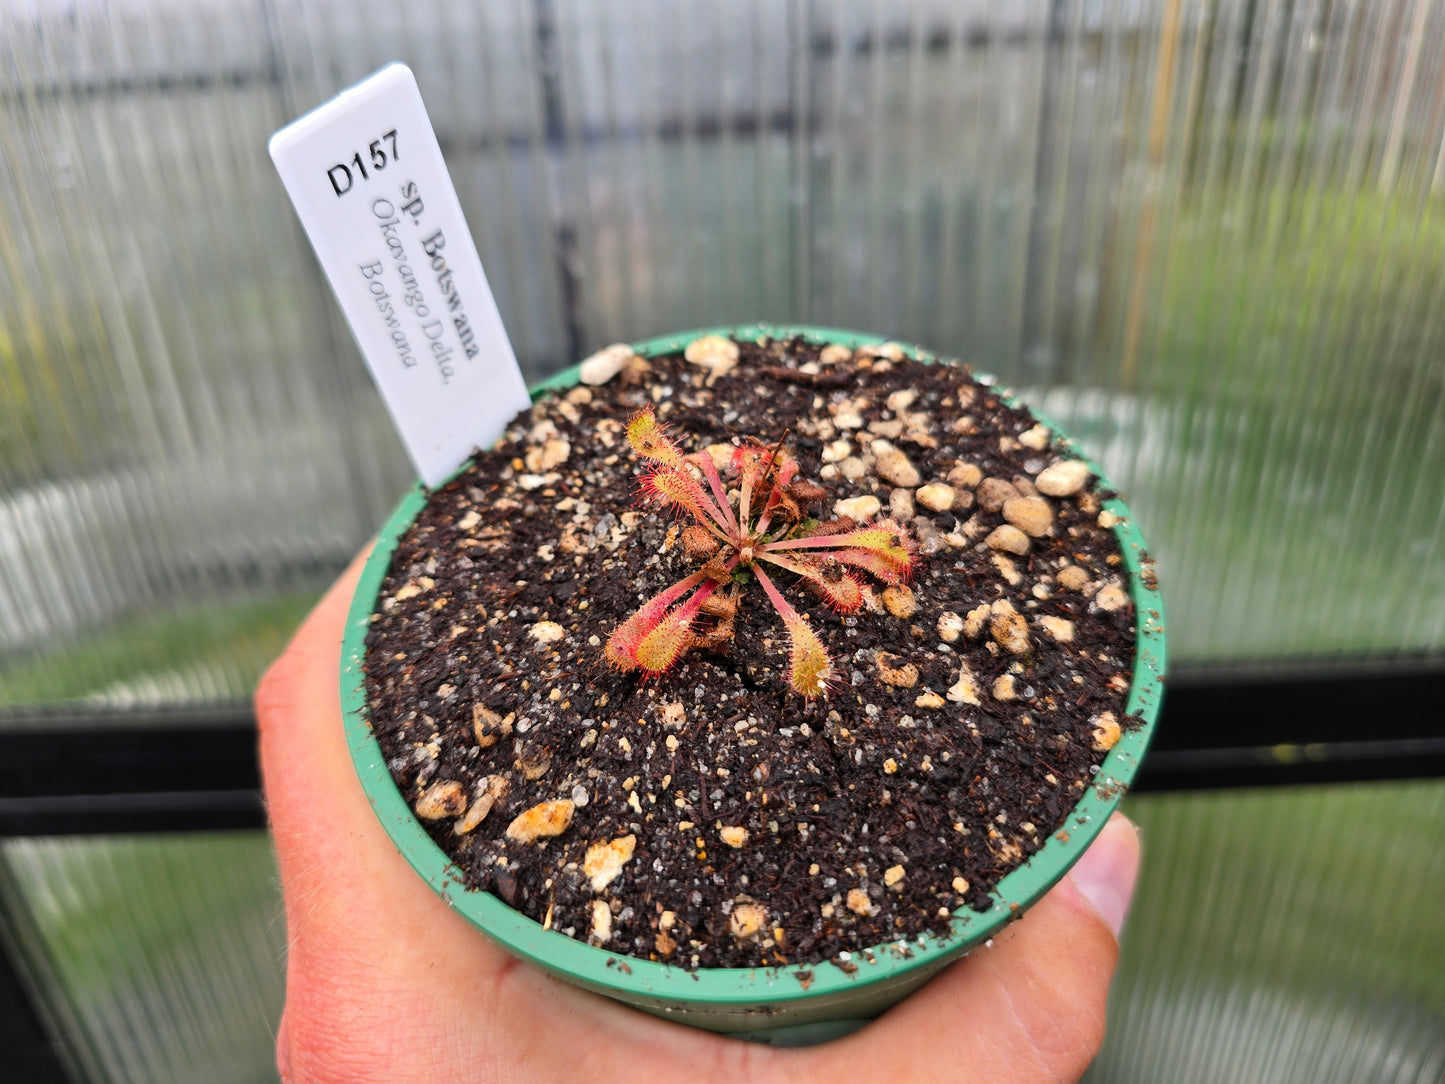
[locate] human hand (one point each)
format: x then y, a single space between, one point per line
386 983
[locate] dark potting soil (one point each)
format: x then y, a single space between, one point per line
709 817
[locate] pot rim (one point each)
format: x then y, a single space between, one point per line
720 988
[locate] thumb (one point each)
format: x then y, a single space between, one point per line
1029 1008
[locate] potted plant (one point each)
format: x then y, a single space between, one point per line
755 675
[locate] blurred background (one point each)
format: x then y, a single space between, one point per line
1208 238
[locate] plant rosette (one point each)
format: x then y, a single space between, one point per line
755 675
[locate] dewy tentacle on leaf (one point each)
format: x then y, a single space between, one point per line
665 628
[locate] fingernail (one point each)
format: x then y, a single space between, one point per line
1105 876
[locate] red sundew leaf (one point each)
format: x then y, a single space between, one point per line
841 590
669 640
719 491
754 465
785 475
884 549
622 645
810 671
675 486
650 440
885 570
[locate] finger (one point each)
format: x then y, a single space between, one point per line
1031 1007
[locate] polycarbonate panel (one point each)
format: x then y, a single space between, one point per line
1210 239
160 958
1284 936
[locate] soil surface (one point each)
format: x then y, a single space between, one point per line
709 817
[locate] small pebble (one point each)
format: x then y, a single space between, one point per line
1004 688
834 354
960 885
992 492
1007 569
1008 539
858 508
1106 732
1060 629
901 400
893 876
965 689
490 727
747 921
950 626
900 503
1032 515
976 621
1036 438
1063 479
445 799
1073 578
894 671
412 588
895 467
547 632
714 353
936 497
605 364
965 476
1111 597
733 835
534 763
601 922
475 814
604 861
858 901
899 600
552 453
1009 628
542 820
928 699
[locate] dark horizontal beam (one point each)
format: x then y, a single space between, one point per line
178 770
1290 764
133 812
166 770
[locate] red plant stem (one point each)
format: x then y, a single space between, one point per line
812 542
775 498
719 491
796 567
785 611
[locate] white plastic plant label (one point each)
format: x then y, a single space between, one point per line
368 181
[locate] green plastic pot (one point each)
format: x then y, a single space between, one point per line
768 1004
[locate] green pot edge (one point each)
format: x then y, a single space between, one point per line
746 992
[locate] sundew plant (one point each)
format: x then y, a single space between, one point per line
759 520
